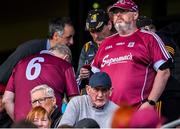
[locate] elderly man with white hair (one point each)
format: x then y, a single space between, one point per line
43 95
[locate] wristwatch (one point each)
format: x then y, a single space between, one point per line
151 102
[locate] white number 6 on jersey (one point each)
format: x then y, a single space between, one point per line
34 65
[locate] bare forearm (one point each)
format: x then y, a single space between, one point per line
159 84
8 100
158 87
9 106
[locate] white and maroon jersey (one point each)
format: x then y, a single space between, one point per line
131 62
40 69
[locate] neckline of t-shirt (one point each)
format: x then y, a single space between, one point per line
129 34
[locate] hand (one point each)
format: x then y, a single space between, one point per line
84 73
146 105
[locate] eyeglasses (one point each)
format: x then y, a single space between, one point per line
40 101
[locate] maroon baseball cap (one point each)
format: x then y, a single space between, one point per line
124 4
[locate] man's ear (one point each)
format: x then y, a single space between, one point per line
66 57
109 25
54 101
56 35
88 88
136 15
110 91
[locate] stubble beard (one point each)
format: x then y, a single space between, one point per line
122 27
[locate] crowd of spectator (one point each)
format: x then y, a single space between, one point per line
125 77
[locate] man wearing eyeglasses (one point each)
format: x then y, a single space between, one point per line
50 67
136 60
95 104
99 26
43 95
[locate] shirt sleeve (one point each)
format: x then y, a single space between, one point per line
71 84
158 53
26 49
10 85
95 65
71 113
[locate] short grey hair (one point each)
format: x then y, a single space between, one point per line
58 24
62 49
49 92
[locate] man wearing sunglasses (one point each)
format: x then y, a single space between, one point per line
99 26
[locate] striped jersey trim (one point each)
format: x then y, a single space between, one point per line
160 43
144 85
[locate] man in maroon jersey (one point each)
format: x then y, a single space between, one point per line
48 67
136 60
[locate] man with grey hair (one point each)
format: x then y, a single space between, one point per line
43 95
48 67
61 31
95 105
136 60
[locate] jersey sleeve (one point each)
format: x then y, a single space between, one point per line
71 84
71 113
95 66
22 51
12 60
10 85
158 52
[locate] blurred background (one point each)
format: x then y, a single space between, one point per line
23 20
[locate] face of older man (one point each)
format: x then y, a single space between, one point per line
67 36
124 20
39 98
99 95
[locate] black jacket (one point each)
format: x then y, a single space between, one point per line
86 57
25 49
55 118
5 120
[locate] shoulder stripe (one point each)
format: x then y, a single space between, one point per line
160 43
162 46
